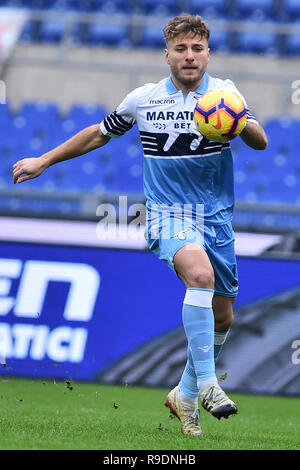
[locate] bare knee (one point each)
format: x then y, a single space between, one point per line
200 277
223 312
224 322
193 267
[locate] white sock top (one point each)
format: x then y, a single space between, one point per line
199 297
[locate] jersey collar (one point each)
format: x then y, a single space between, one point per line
171 88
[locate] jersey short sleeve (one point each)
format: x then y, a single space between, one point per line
123 118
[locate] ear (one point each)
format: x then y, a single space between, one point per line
208 55
167 56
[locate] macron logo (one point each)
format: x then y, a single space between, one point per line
163 101
204 348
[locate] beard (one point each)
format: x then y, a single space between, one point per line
186 80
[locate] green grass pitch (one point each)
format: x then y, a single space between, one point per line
61 415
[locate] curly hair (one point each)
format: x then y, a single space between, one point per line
186 23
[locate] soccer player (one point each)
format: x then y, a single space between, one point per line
185 172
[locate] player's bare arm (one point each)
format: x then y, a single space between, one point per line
86 140
254 135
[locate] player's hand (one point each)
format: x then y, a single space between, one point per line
27 169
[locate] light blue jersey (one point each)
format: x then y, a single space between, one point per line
181 167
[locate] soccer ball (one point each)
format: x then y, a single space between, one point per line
220 115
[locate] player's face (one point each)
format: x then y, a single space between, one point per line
187 56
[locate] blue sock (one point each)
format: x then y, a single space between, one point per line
198 322
219 340
188 382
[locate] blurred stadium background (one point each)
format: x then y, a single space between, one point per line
64 65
